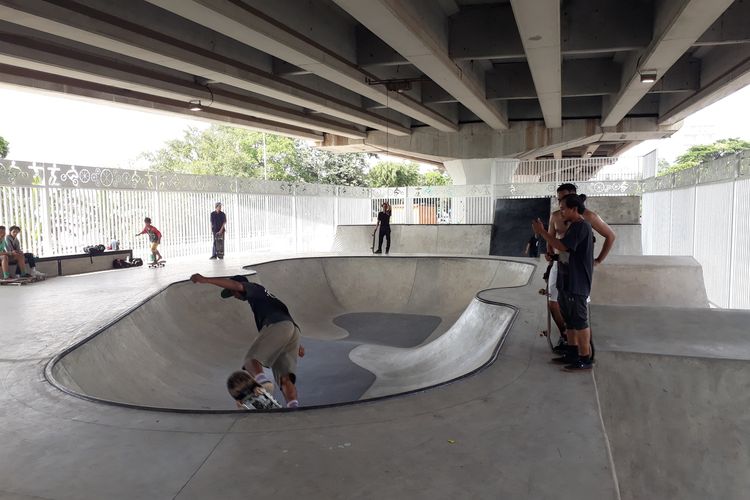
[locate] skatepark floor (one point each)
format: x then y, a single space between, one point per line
663 414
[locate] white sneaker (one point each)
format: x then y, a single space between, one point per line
36 273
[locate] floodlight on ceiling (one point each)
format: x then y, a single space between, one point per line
195 105
648 76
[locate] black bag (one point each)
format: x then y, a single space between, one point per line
121 264
92 250
136 262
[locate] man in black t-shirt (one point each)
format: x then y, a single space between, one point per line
218 228
574 277
384 222
278 343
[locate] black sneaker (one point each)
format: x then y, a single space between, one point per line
561 347
378 251
563 360
213 257
579 366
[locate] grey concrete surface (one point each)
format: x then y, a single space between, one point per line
628 240
649 280
518 429
458 239
177 349
674 386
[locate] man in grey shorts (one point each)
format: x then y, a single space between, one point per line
278 343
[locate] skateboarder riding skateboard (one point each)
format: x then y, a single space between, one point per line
154 236
277 345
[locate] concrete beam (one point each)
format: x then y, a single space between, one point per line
586 77
590 150
732 27
415 31
539 26
485 32
724 72
57 59
46 82
254 28
93 28
490 32
523 139
677 25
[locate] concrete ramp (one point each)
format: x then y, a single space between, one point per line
175 350
450 239
674 386
649 280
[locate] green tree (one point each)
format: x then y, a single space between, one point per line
436 178
393 174
4 147
235 152
346 169
704 152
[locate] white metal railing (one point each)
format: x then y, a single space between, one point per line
62 208
704 212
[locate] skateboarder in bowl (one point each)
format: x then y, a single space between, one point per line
278 343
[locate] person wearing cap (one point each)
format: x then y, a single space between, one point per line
278 343
218 228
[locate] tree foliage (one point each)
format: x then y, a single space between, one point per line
235 152
4 147
436 178
704 152
393 174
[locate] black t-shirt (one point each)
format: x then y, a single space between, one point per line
576 266
217 220
266 307
385 221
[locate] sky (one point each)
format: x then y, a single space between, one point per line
50 127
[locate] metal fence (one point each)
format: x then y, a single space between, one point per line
705 212
62 208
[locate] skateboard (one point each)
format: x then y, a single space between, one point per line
545 291
21 281
219 245
374 239
262 401
153 265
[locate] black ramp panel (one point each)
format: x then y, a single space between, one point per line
511 226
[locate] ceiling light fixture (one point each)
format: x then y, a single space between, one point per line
197 104
648 76
399 85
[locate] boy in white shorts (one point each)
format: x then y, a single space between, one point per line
278 343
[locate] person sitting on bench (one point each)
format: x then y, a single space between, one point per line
13 246
7 255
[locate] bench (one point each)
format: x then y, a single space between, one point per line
62 265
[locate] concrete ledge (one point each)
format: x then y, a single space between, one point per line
649 280
61 265
451 239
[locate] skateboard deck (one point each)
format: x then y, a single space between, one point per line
219 245
21 281
548 332
262 401
545 291
160 263
374 239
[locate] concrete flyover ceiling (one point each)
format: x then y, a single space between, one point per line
430 80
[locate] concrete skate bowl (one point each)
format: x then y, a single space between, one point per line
372 328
